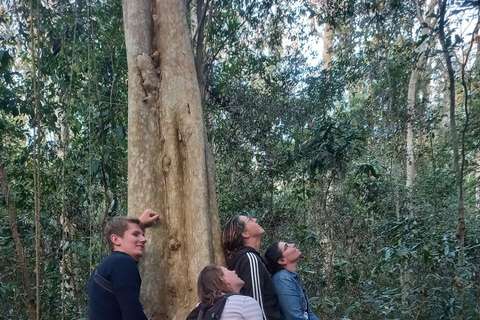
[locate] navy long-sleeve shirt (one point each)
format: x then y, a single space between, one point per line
121 271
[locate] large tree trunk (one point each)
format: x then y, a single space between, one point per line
22 266
167 158
201 16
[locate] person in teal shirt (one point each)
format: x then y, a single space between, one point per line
282 259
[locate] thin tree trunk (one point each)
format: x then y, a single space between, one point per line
202 9
64 221
465 89
326 35
477 279
411 99
393 174
330 251
168 156
434 170
69 288
410 170
66 264
327 38
456 155
37 150
22 267
453 126
477 193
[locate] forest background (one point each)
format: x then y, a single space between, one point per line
351 128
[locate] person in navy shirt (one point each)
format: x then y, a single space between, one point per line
282 259
114 286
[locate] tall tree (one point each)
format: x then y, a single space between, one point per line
167 162
457 166
477 187
327 34
37 153
466 110
427 24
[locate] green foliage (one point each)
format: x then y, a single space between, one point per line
317 155
330 147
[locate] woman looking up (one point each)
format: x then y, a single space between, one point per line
282 259
241 240
217 284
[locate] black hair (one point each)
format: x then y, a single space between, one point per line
272 255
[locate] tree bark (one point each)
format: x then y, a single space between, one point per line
327 34
477 193
37 137
327 38
69 288
465 90
22 267
410 168
168 157
202 8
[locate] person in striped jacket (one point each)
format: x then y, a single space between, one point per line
241 240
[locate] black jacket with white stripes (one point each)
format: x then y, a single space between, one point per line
249 266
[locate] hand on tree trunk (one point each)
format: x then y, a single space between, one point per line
149 218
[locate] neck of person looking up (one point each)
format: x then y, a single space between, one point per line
291 267
254 243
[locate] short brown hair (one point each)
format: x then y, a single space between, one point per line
118 226
210 286
232 238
